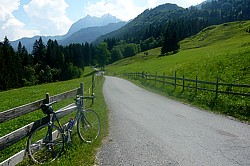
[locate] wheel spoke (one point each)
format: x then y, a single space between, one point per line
88 126
43 150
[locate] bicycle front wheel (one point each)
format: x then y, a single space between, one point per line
44 147
88 126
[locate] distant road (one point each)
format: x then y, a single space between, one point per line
149 129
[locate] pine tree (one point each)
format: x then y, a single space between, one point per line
39 53
170 43
11 69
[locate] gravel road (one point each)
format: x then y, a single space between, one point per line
149 129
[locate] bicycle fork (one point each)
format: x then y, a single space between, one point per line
50 130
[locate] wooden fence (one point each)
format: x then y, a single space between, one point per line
194 84
24 131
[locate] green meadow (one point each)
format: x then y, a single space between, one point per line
79 153
217 51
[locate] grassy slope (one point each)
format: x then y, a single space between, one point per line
80 153
222 50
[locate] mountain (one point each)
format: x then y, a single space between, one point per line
91 33
28 42
136 27
85 22
90 21
153 24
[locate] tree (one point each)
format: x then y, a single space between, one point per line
45 75
130 50
103 55
11 69
116 54
148 44
2 66
87 54
72 72
29 76
38 52
175 42
170 43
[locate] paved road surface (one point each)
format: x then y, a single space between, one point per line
149 129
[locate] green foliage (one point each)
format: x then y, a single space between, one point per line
103 54
29 78
150 43
39 53
170 43
116 54
11 67
73 72
130 50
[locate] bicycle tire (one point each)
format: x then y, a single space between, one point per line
40 149
88 126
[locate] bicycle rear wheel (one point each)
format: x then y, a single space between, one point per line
41 148
88 126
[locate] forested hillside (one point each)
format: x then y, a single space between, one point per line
150 27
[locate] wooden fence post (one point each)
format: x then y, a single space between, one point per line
174 79
163 79
155 78
47 100
183 83
217 87
143 76
93 82
196 85
81 89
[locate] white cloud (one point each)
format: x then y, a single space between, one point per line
182 3
9 25
49 16
124 10
128 9
154 3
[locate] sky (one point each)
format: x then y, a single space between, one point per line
28 18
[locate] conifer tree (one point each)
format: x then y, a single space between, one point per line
170 43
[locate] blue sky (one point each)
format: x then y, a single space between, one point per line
27 18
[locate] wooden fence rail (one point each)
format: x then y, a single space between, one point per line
23 132
172 80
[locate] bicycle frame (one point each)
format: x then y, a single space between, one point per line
78 105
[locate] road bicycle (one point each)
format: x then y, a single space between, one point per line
46 143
